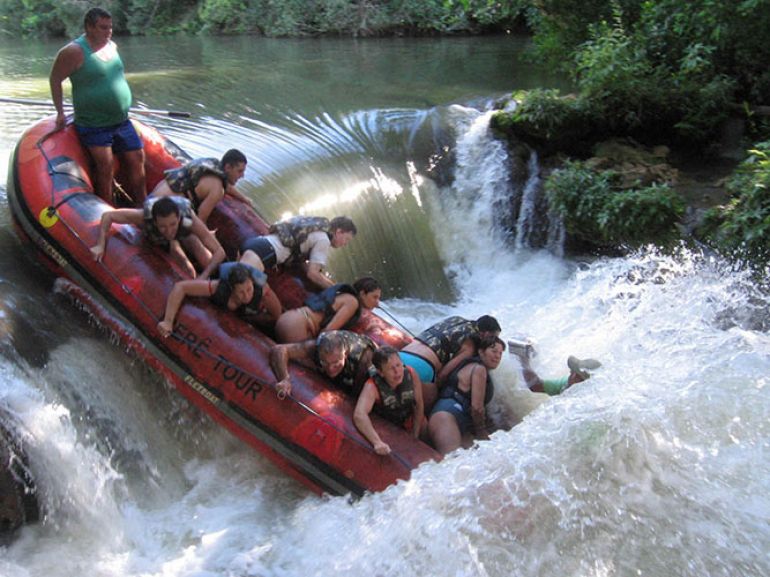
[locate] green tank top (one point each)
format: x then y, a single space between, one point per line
100 94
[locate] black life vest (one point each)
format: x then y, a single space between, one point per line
185 220
224 290
451 391
294 231
396 405
324 302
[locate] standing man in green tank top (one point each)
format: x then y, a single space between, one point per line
101 98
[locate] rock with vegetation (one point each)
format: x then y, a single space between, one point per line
608 208
741 228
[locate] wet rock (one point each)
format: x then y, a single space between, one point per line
637 165
18 494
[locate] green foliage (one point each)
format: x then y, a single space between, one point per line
711 38
158 17
41 17
550 122
269 17
594 210
742 228
224 16
613 72
623 92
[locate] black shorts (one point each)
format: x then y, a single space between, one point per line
262 248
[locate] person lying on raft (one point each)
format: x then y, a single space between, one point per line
240 288
337 307
439 349
342 356
578 372
395 393
304 240
459 415
170 223
204 181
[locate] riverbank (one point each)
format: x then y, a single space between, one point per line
620 185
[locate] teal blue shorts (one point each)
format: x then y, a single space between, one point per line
421 366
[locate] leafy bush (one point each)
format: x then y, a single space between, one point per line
742 228
594 210
551 122
224 16
623 92
157 17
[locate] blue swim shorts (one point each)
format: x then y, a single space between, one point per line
455 409
421 366
262 248
121 137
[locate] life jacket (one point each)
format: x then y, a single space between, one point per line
185 220
224 290
447 337
294 231
324 302
450 389
355 347
185 179
396 405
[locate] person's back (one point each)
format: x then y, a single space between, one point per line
205 181
185 179
299 235
334 308
446 337
304 240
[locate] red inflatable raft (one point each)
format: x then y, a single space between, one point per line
214 358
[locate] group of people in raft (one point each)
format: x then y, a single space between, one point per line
436 387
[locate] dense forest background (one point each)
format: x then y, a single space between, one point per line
267 17
659 71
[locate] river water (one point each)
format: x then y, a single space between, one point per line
658 465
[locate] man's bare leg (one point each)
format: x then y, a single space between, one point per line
135 173
102 176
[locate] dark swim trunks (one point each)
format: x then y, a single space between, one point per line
121 137
455 409
262 248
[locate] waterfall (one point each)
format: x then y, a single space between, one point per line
496 197
525 223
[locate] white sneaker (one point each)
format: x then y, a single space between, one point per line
582 366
